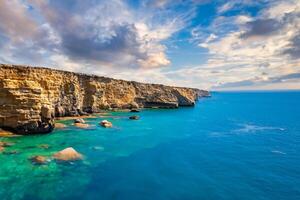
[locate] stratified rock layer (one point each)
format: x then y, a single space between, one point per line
30 97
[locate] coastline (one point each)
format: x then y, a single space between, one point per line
33 97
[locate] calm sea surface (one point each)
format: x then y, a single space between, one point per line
234 145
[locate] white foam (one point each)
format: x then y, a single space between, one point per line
278 152
250 128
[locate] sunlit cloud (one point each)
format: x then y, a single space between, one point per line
236 44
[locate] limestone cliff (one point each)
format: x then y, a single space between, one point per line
31 97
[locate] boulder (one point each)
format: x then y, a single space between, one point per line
134 117
106 124
39 160
81 113
59 111
79 120
68 154
81 125
134 110
60 125
47 112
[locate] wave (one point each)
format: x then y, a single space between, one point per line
278 152
250 128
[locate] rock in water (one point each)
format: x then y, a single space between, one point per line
39 160
4 133
81 125
106 124
79 120
6 144
60 125
68 154
44 146
134 117
134 110
11 152
1 148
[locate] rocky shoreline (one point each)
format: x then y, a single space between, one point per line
32 97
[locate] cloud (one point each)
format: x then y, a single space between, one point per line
100 33
225 7
165 3
15 22
257 81
261 27
293 47
252 50
135 40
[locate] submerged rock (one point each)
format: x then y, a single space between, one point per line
134 110
6 144
10 152
1 148
39 160
134 117
44 146
106 124
68 154
81 125
60 125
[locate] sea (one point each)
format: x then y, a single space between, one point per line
233 145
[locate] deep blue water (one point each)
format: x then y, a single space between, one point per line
234 145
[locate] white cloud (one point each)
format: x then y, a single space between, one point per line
104 33
249 53
112 39
226 7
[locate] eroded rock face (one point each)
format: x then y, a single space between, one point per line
30 97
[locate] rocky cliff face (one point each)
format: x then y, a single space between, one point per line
31 97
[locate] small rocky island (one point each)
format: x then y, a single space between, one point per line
31 97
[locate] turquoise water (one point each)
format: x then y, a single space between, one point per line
231 146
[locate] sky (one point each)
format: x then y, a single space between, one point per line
207 44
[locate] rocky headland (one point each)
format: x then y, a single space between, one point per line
31 97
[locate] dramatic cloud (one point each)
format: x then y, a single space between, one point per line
262 27
260 47
293 47
106 33
199 43
14 21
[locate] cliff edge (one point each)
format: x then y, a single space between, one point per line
31 97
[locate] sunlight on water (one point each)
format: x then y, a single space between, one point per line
233 145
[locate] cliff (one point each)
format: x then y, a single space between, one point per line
31 97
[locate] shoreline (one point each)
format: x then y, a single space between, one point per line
33 98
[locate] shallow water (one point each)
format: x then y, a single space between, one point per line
231 146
